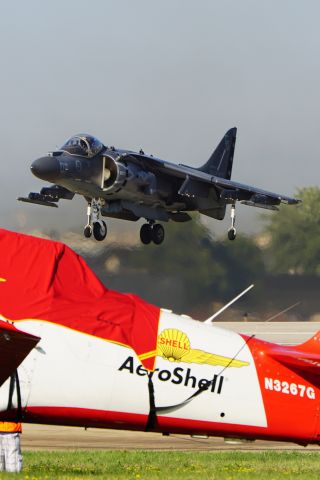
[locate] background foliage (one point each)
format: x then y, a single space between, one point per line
294 234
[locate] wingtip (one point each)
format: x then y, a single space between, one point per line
290 201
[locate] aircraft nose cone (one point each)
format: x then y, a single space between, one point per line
46 168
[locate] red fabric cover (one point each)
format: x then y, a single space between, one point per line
46 280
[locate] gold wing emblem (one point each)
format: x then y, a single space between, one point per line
201 357
174 345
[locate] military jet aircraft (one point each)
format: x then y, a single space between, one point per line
132 185
74 353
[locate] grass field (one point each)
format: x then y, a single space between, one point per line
174 465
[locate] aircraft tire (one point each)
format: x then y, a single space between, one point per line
99 230
146 233
232 233
157 234
87 232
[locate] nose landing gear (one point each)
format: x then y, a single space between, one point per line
152 232
232 232
95 225
87 232
149 232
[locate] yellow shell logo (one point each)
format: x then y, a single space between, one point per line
2 279
173 344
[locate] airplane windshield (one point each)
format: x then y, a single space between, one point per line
83 145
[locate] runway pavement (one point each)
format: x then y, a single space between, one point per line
44 437
286 333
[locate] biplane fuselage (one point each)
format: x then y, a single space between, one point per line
73 352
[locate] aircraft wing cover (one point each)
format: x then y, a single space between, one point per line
14 347
45 280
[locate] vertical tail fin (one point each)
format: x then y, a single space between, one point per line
220 162
312 345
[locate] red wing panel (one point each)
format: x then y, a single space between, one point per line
14 347
45 280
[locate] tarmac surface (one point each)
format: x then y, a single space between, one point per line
286 333
46 437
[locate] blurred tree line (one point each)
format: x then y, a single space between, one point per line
294 236
206 267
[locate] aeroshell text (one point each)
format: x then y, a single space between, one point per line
178 376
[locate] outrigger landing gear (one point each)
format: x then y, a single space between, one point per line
151 232
232 232
95 225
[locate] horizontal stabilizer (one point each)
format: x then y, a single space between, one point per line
14 347
303 357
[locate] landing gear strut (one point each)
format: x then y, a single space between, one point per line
152 232
95 225
232 232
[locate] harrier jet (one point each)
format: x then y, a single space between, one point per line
132 185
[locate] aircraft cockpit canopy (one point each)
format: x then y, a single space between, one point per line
83 145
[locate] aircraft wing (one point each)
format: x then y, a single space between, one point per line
14 347
197 183
252 196
48 196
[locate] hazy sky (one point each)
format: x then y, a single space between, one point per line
169 76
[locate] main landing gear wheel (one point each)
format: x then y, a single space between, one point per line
100 230
152 233
146 233
157 234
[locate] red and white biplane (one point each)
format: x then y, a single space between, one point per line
73 352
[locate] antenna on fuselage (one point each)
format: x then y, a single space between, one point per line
282 312
209 320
